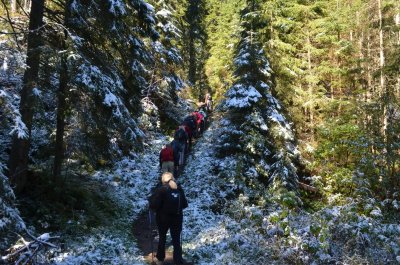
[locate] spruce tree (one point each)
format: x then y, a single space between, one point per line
109 63
221 41
196 46
166 81
255 128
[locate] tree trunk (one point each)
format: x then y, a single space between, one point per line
27 4
192 58
381 50
397 20
61 108
18 162
13 4
382 91
310 87
62 103
369 70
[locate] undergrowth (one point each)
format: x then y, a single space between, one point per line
71 207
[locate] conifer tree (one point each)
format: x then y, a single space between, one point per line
196 45
255 125
166 81
222 15
109 60
19 157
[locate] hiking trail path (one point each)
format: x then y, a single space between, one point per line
145 238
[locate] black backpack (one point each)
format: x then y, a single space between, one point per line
173 201
191 122
180 135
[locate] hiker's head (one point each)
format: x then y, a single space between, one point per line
168 178
168 145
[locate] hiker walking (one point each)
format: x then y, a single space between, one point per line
167 159
181 137
190 123
204 121
168 201
208 101
178 152
199 121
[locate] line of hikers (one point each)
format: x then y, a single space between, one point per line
168 200
172 155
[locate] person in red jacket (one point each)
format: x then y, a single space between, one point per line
167 159
199 120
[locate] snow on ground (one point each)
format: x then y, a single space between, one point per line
225 225
210 237
131 181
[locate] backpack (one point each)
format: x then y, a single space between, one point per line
180 135
188 130
190 121
167 154
172 203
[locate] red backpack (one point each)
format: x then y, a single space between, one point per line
199 117
167 154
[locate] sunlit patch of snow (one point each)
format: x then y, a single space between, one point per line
241 96
164 13
36 91
4 67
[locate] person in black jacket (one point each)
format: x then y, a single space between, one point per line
168 201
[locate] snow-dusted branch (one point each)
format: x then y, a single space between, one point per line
23 252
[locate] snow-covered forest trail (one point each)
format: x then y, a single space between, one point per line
146 232
90 91
131 181
146 236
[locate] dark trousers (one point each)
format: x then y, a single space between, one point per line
174 224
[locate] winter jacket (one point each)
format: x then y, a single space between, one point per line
166 154
199 117
190 121
181 135
158 202
188 130
177 147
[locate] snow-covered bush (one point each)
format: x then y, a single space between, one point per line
10 220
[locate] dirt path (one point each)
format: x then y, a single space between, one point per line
146 241
147 238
